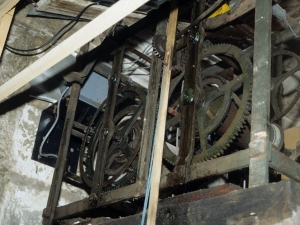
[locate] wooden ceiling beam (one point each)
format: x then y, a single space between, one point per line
5 22
6 6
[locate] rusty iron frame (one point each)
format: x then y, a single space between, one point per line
184 173
188 112
260 146
225 164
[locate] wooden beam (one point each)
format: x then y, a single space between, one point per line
5 22
6 6
162 114
101 23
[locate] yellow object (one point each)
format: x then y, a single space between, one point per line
223 9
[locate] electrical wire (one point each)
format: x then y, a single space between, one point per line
64 28
52 127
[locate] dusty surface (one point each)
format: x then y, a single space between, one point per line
24 183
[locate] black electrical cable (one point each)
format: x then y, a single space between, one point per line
75 19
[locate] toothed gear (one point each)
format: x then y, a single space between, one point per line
159 48
243 81
159 45
125 144
217 99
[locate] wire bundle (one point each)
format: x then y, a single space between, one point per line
53 39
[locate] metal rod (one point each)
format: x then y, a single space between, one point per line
80 126
138 53
107 128
260 145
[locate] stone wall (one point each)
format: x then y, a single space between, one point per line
24 183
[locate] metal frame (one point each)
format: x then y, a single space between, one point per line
259 157
260 146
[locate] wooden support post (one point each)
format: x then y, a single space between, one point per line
5 22
161 122
101 23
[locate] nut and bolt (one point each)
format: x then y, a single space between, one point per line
194 37
187 97
105 132
113 79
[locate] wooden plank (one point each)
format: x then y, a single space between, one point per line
161 123
6 6
275 203
5 22
101 23
165 203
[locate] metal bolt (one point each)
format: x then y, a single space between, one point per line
105 131
113 79
71 149
187 97
194 37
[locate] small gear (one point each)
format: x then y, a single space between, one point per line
159 48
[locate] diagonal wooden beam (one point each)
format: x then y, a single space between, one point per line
6 6
162 113
5 22
97 26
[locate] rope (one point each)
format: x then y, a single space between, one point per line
148 183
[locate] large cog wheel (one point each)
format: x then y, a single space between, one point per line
222 109
120 167
240 86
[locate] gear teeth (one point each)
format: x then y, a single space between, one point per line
156 53
244 108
